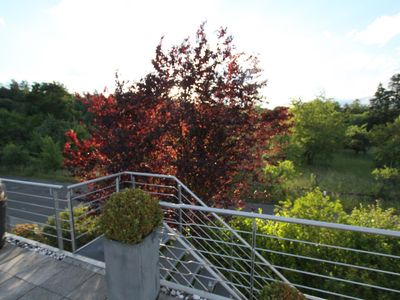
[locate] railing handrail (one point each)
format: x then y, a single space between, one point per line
194 196
298 221
40 184
75 185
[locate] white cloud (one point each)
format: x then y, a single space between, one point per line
380 31
2 22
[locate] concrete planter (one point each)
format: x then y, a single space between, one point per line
132 271
3 207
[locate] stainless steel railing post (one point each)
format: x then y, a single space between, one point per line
57 219
117 180
71 221
253 249
180 210
133 181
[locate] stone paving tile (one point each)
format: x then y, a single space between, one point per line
9 252
4 276
14 288
92 289
41 272
21 262
39 293
68 280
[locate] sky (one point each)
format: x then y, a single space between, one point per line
339 48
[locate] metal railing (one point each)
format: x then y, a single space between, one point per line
320 269
34 205
230 253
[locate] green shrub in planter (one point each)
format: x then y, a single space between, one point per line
280 291
129 221
86 228
129 216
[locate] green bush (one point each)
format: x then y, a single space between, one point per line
280 291
30 231
129 216
86 228
316 206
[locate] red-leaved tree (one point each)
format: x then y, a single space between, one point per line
195 116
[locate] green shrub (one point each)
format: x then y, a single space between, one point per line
280 291
129 216
315 206
30 231
86 228
277 178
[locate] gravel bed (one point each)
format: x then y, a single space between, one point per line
35 248
179 294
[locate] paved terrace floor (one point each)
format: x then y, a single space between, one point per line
25 274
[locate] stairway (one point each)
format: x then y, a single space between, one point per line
183 265
179 264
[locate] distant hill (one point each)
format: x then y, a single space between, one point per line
363 100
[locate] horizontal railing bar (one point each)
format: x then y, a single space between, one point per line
73 186
155 175
32 222
329 246
33 204
47 185
29 212
328 261
30 195
93 192
216 241
325 292
298 221
338 279
155 185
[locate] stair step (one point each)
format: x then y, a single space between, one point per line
221 291
165 236
187 270
206 279
171 256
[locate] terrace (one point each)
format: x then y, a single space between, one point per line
210 252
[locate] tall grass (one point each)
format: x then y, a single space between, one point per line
346 176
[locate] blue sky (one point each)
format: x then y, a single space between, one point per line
340 48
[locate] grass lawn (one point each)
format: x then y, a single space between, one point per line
346 176
34 173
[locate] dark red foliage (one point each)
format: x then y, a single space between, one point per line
195 117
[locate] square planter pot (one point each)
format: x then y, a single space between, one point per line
132 271
3 224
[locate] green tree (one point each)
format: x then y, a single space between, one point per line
386 140
50 157
276 179
14 155
385 105
318 128
387 183
357 138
